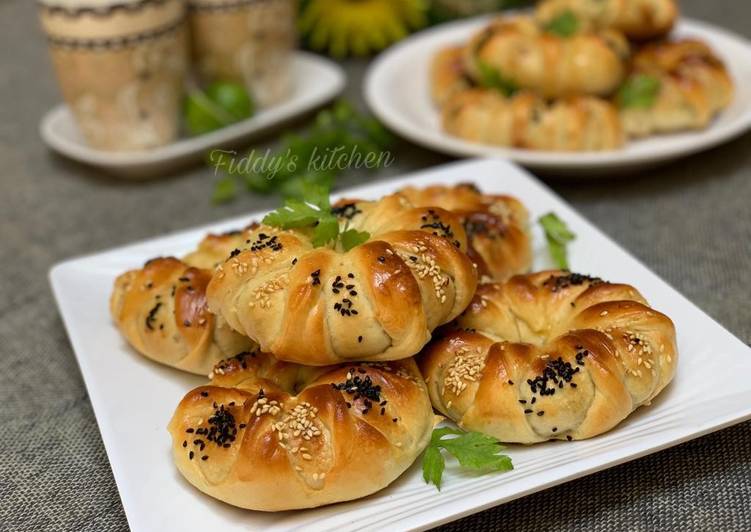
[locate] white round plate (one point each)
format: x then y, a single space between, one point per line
396 90
317 80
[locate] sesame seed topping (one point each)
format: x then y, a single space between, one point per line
465 367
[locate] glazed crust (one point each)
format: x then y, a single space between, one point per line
526 120
552 66
271 436
161 311
378 301
447 74
550 355
694 86
637 19
496 226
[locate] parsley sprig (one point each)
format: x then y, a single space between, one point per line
639 91
558 236
564 25
492 78
315 211
473 450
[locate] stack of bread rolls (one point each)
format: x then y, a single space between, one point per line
563 78
325 365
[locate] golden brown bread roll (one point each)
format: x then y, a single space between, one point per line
378 301
525 120
496 226
550 355
518 51
637 19
693 86
214 249
161 311
267 435
447 75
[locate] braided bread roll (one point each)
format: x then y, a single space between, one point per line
161 311
526 120
637 19
378 301
214 249
267 435
496 225
447 74
550 355
694 86
521 52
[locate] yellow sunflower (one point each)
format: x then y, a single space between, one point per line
359 26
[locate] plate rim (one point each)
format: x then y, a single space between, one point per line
637 450
541 159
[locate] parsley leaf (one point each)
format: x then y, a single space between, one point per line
314 211
564 25
491 78
295 213
558 236
224 190
472 449
639 91
326 230
352 237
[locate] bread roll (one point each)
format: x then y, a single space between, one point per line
693 87
525 120
637 19
378 301
520 52
550 355
496 225
267 435
161 311
447 74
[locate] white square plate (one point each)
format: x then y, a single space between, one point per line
134 398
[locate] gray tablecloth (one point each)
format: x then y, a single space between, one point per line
690 222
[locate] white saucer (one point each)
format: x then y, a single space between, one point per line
317 80
396 90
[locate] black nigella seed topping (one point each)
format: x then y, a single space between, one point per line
359 339
527 411
222 429
556 372
264 241
361 388
234 253
152 316
381 259
204 394
347 211
316 275
572 279
190 455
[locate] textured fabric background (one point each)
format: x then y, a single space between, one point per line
690 222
